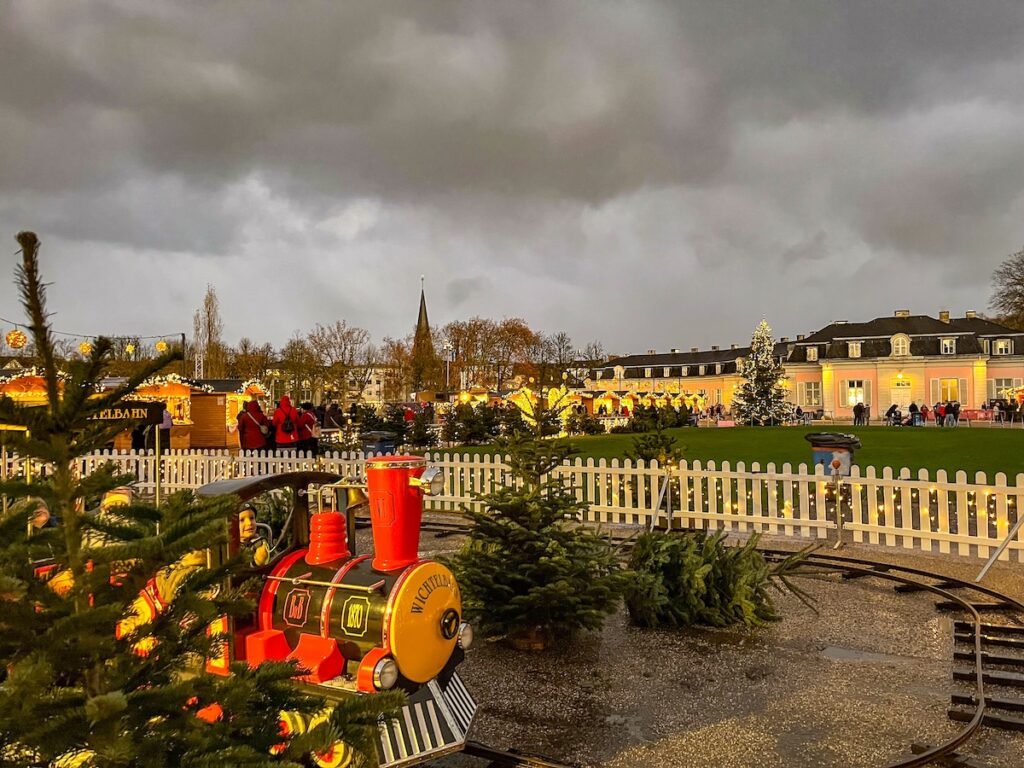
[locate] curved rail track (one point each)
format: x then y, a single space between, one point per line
956 595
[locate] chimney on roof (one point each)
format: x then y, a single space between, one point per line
800 337
732 346
714 348
652 351
674 351
971 314
902 313
944 315
693 349
784 339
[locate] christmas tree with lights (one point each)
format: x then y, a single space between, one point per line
761 399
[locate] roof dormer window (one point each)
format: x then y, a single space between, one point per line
853 348
647 373
1002 347
812 354
949 346
900 345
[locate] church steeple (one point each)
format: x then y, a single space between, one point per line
422 323
425 366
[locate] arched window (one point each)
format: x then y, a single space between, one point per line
900 345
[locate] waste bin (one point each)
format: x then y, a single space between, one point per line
830 447
378 442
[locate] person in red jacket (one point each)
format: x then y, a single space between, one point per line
253 427
309 432
286 425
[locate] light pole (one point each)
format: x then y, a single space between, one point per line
447 364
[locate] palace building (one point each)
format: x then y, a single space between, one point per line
899 359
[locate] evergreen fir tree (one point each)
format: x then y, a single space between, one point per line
761 398
529 571
74 694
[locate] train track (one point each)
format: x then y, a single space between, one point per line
973 640
983 652
511 758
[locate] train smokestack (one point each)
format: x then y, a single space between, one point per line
328 538
396 506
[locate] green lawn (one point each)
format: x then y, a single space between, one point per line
989 450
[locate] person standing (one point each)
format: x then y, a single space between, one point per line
253 427
309 430
286 425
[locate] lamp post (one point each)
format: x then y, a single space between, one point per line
447 363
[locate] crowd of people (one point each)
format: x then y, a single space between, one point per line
288 428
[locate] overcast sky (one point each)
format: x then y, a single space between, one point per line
652 175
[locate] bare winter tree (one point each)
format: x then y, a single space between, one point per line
207 337
249 361
1008 290
344 358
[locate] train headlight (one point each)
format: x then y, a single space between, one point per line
465 635
385 674
431 482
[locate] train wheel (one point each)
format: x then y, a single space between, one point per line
338 756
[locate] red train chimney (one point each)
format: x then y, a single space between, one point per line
396 506
328 538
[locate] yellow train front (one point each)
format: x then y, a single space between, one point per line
358 623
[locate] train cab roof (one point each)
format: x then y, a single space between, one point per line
250 487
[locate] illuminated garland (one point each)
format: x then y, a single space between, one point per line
174 378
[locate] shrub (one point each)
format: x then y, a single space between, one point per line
681 579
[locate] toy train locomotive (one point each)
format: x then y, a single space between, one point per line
357 623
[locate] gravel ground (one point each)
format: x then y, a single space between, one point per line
851 685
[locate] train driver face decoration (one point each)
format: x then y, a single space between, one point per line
359 623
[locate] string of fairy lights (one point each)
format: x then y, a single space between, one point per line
16 338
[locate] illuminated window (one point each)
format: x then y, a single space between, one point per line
685 370
812 393
949 347
718 368
855 391
700 371
1002 347
812 354
665 372
647 373
900 346
854 348
949 389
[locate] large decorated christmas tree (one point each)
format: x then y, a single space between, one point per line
761 398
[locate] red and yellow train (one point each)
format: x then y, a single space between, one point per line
356 623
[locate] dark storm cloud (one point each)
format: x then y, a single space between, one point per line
652 174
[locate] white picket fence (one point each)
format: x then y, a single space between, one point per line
959 516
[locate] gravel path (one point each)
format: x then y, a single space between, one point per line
851 685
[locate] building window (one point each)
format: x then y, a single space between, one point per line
997 387
1002 347
812 393
665 372
647 373
718 368
900 346
812 354
685 371
855 392
700 371
949 390
853 348
949 347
